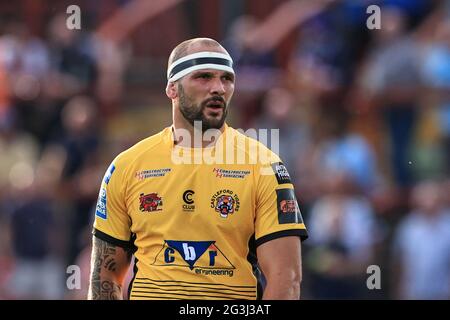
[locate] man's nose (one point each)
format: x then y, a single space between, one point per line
217 87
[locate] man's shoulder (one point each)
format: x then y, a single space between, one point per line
254 141
139 149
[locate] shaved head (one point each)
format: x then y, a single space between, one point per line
194 45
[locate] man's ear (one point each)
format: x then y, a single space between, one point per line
171 90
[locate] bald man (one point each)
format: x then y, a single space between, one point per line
199 226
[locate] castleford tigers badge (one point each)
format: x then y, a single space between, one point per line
225 202
150 202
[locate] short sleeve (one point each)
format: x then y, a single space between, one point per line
277 211
112 222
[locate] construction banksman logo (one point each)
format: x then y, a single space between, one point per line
236 174
153 173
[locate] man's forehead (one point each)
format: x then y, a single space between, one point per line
194 48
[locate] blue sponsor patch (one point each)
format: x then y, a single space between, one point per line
100 210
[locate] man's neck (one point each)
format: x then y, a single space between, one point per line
188 136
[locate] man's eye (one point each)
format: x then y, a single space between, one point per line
228 78
204 76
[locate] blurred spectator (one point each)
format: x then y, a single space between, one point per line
23 54
345 233
392 78
416 9
344 151
80 136
322 50
37 275
81 193
6 260
421 249
260 67
26 61
18 156
436 70
257 71
36 234
80 142
278 109
72 56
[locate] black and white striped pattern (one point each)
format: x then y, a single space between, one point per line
197 61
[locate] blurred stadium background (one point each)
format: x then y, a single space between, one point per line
364 119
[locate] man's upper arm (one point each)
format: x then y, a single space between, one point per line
277 211
279 227
279 254
112 221
112 241
109 264
280 262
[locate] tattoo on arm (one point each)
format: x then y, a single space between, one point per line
103 257
110 291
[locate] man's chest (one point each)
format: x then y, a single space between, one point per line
170 198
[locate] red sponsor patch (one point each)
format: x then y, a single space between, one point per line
150 202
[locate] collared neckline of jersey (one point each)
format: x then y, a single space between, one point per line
171 139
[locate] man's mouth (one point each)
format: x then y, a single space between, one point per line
215 104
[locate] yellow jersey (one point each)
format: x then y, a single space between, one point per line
195 225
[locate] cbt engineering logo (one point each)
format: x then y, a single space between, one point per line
203 257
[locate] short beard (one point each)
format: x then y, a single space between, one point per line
193 112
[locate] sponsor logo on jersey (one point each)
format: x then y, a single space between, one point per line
150 202
144 174
202 257
281 173
288 206
237 174
100 210
188 198
288 209
225 202
109 173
